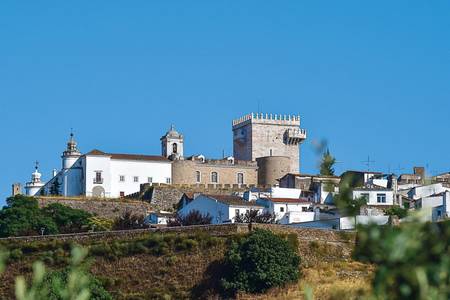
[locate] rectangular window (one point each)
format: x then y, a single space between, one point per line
122 178
237 212
214 177
240 178
136 179
150 179
281 209
366 196
122 194
381 198
198 176
304 209
98 177
168 180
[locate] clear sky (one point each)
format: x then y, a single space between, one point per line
370 77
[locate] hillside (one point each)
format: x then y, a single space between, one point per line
185 263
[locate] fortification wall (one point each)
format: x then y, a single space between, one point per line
271 168
107 208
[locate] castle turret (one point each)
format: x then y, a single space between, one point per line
32 187
172 144
71 154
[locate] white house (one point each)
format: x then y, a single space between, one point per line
375 195
102 174
426 190
288 210
436 206
159 218
222 209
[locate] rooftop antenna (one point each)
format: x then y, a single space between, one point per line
399 169
368 162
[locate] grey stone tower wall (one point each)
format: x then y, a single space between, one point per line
258 135
271 168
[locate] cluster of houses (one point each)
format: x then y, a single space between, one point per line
308 200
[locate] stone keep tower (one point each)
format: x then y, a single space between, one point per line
172 144
262 135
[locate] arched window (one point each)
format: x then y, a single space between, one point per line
174 148
214 177
198 176
240 178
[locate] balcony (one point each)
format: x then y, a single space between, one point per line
98 180
294 136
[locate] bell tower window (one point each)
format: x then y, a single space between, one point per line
174 148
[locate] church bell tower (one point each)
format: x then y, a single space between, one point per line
172 144
71 154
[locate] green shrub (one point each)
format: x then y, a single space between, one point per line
413 260
16 254
258 262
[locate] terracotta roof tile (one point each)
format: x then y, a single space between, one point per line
129 156
289 200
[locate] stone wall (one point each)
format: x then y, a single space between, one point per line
184 172
101 207
272 168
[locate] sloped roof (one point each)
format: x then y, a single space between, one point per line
232 200
288 200
128 156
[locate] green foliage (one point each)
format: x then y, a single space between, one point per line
345 202
327 164
254 216
100 224
22 216
413 260
55 188
398 211
194 217
67 219
73 283
128 221
258 262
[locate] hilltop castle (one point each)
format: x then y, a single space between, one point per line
265 147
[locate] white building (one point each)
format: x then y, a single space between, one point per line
159 218
375 195
222 209
32 187
288 210
101 174
435 207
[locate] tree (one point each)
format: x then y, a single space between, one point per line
67 219
348 205
398 211
194 217
253 216
327 163
23 216
54 188
259 262
128 221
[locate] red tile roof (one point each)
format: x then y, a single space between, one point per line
288 200
129 156
233 200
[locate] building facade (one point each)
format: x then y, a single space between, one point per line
261 135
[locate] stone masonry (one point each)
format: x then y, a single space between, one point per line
261 135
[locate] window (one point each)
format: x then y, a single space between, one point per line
136 179
240 178
198 176
304 208
214 177
98 177
270 152
149 179
366 196
237 212
174 148
167 180
122 178
122 194
381 198
281 209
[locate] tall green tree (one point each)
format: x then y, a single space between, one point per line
327 164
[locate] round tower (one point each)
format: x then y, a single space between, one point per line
71 154
32 187
172 144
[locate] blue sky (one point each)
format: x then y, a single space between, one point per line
370 78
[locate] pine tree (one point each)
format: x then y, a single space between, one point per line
327 163
54 188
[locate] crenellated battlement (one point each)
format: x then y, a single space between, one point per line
267 118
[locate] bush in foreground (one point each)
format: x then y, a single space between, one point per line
413 260
259 262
